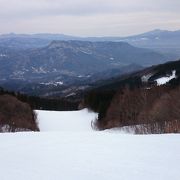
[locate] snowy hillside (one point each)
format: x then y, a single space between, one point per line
69 150
164 80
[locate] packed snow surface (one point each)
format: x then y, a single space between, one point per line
164 80
70 151
66 121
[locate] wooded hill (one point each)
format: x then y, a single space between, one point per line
131 101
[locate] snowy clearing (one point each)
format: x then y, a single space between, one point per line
71 151
164 80
66 121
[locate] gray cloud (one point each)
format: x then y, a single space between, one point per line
17 15
83 7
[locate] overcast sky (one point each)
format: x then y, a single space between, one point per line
88 17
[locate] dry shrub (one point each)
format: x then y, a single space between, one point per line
16 115
155 110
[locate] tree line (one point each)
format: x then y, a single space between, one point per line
42 103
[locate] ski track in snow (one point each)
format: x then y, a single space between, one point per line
69 151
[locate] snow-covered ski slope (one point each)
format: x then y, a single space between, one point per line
164 80
70 151
66 121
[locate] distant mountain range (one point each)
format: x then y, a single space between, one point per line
65 62
164 41
49 64
167 42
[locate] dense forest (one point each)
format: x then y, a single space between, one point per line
40 103
147 110
156 109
